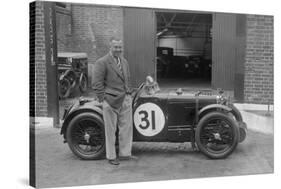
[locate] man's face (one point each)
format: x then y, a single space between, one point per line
116 48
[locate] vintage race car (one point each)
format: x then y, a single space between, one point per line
209 121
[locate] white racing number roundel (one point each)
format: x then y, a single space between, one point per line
149 119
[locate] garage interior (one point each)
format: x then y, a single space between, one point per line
184 50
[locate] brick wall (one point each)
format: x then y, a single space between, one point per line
64 37
40 79
259 60
92 27
32 11
64 28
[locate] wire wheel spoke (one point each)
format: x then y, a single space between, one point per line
216 135
88 137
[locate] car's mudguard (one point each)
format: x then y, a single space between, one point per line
236 113
77 109
211 107
230 109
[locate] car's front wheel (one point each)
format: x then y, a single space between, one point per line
85 136
216 135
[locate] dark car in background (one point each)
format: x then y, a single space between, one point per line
175 66
198 66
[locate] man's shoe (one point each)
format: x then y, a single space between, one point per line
113 161
128 158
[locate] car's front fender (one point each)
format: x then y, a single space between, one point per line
212 107
228 109
93 107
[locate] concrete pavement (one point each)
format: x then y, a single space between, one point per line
258 117
57 166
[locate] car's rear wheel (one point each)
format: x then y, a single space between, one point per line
216 135
85 136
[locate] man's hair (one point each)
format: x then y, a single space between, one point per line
115 38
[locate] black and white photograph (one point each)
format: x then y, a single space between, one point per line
128 94
131 94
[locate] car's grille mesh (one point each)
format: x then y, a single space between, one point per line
208 92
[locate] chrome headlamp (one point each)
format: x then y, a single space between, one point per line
221 99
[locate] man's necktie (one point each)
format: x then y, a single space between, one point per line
119 64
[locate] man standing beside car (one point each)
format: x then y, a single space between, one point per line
111 83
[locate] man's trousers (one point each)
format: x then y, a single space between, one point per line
122 118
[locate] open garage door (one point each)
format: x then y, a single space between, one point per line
224 50
184 49
139 43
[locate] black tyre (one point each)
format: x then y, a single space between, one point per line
64 88
83 83
216 135
85 136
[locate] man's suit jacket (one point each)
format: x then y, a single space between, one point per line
109 83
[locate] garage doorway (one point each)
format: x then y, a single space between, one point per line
184 50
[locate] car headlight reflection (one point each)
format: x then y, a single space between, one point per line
221 100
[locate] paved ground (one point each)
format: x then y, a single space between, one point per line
57 166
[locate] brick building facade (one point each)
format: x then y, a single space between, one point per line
38 77
259 60
63 26
87 28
